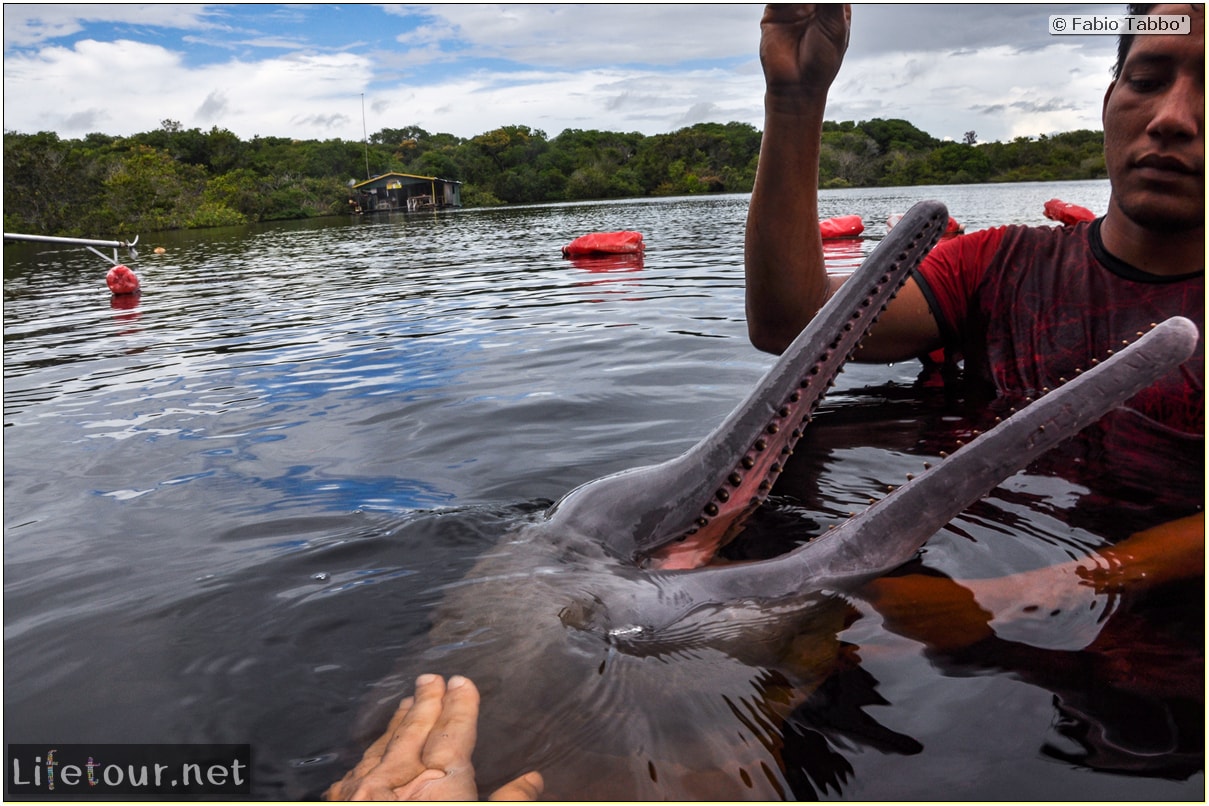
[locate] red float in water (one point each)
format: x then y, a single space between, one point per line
1066 213
121 280
623 242
841 226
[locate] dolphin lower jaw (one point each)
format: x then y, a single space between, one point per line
687 507
890 531
654 613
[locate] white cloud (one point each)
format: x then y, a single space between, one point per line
611 100
27 24
995 91
133 86
565 35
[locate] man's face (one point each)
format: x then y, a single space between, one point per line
1154 128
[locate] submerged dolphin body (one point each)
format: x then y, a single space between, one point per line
569 625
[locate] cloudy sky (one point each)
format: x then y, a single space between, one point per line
309 71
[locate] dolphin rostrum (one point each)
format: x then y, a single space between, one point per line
589 595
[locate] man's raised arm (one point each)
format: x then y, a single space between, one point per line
801 49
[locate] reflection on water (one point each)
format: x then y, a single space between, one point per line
246 506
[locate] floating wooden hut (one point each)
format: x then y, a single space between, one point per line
394 192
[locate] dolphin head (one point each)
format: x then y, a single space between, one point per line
711 605
690 505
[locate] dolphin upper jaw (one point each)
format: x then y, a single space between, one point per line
696 502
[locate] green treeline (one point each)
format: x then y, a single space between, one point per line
174 178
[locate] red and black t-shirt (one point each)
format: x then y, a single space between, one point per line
1028 306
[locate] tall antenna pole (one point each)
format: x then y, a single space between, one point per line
365 135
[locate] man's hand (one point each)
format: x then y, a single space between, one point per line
802 47
425 752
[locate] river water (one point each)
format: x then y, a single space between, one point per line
233 506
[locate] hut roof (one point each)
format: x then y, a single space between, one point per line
404 179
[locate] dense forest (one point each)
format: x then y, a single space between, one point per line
172 178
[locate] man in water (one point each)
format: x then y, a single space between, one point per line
1024 306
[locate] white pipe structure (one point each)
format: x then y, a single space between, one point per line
87 243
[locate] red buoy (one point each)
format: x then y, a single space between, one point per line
841 226
1067 213
121 280
605 243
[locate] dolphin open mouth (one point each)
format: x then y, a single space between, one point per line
662 520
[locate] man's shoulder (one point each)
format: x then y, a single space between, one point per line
992 237
1016 242
1038 234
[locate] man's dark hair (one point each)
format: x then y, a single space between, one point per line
1125 41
